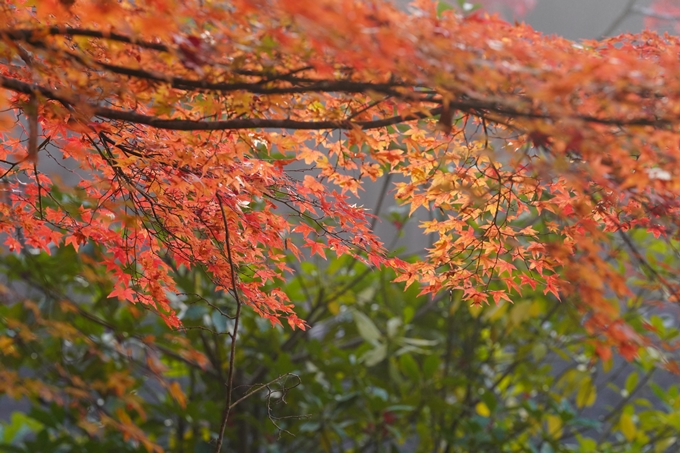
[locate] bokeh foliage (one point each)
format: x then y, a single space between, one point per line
381 369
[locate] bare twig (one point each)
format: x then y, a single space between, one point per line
32 112
259 387
627 10
230 375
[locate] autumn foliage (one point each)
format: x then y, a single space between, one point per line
230 136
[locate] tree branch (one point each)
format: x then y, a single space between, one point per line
471 106
259 387
30 36
300 85
192 125
619 19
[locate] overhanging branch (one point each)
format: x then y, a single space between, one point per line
471 106
191 125
31 35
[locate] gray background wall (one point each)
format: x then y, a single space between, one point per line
582 19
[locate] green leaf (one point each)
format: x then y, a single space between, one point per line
400 407
490 400
409 367
539 351
375 355
587 445
430 366
367 329
366 295
409 312
393 325
418 341
20 424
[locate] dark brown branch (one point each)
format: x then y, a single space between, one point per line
31 35
300 85
472 106
320 86
190 125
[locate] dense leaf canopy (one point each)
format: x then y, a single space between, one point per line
226 136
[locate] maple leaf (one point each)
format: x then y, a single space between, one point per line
500 295
313 184
318 248
304 229
122 293
552 285
526 280
409 278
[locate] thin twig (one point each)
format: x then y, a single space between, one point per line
260 387
230 375
619 19
32 111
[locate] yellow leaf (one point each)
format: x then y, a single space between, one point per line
495 313
554 426
663 445
627 427
475 310
586 393
7 346
123 417
482 409
418 175
334 308
536 309
443 182
520 312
